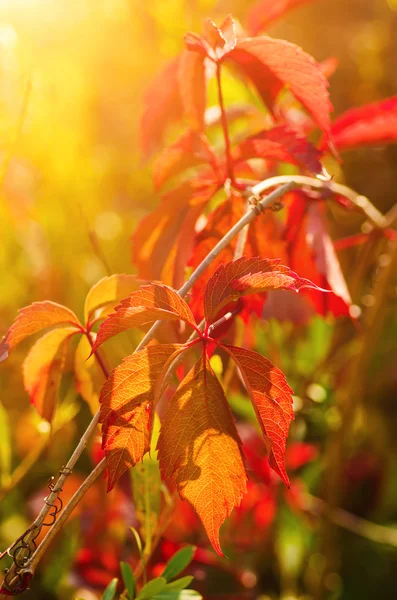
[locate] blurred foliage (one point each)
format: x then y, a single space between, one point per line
73 185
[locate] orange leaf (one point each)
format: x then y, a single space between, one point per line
107 292
199 449
248 276
37 316
127 404
42 369
88 374
192 87
271 397
158 232
272 64
148 304
162 105
189 150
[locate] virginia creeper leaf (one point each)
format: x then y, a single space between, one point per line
157 234
248 276
42 369
281 144
148 304
38 316
190 149
127 405
88 375
199 449
192 87
271 397
311 251
265 12
264 239
107 292
370 124
272 64
162 105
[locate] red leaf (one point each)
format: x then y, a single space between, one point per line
162 106
192 87
264 12
127 404
148 304
248 276
38 316
366 125
282 144
199 450
271 397
190 150
264 239
311 251
157 234
42 369
272 64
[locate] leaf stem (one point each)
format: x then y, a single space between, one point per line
228 153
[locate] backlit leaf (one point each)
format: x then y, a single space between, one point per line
281 144
38 316
89 376
264 239
248 276
158 233
162 106
371 124
127 405
192 87
199 450
190 150
265 12
42 369
311 251
273 64
149 303
107 292
272 400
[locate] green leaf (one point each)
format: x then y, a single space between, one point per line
174 595
110 591
152 588
179 584
178 562
128 578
